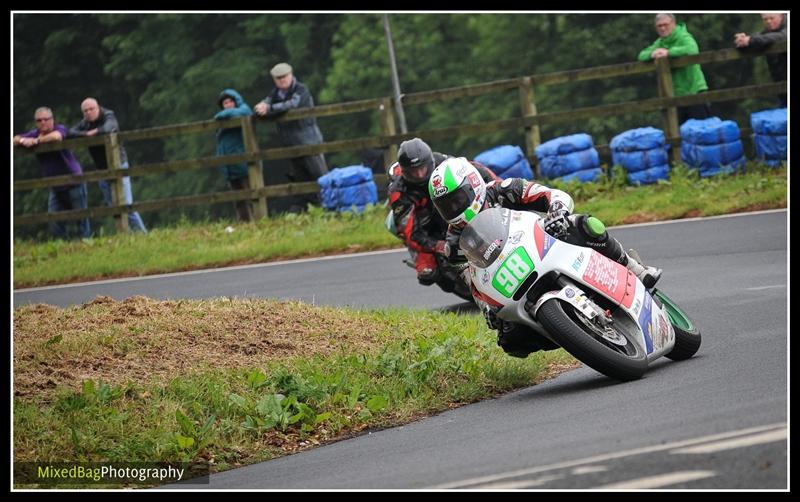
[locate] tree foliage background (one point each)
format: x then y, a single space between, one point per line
158 69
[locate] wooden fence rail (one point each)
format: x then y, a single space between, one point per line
530 120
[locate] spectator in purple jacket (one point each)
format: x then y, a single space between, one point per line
57 163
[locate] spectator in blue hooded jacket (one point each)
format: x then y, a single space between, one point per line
230 142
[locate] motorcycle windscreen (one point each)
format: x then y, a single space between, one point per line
483 239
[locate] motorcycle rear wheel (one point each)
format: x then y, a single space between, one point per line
581 338
687 336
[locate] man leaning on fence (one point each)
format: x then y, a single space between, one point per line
57 163
288 94
674 41
98 120
774 32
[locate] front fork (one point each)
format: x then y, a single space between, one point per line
575 296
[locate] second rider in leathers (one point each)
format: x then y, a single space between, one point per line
421 228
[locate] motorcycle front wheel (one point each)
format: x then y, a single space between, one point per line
610 350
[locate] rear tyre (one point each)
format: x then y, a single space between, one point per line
624 359
687 336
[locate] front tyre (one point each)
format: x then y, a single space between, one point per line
687 336
610 351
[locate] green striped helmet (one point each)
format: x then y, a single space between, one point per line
457 190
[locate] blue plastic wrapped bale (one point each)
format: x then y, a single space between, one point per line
554 166
710 131
326 180
327 193
736 165
564 144
506 161
711 156
329 197
583 175
521 169
634 161
349 176
770 122
649 176
772 149
357 195
500 158
643 138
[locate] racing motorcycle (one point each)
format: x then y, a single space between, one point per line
451 277
593 307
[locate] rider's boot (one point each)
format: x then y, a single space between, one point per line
648 275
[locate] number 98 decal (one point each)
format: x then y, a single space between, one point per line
514 270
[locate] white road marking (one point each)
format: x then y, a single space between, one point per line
589 469
766 287
516 485
608 456
658 481
729 444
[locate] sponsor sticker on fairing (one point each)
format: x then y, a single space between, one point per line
607 276
645 321
492 247
576 265
661 332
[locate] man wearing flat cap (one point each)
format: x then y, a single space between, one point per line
288 94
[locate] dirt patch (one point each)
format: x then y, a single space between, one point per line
140 339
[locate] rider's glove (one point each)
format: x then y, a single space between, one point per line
442 248
556 222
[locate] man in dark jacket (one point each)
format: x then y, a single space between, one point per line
97 120
231 142
774 32
421 228
289 94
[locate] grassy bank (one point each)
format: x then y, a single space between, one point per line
231 382
192 246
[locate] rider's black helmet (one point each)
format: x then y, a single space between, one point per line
416 161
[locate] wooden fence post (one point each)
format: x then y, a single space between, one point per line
114 162
388 129
533 137
255 171
665 90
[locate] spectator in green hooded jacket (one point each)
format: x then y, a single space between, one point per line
674 41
